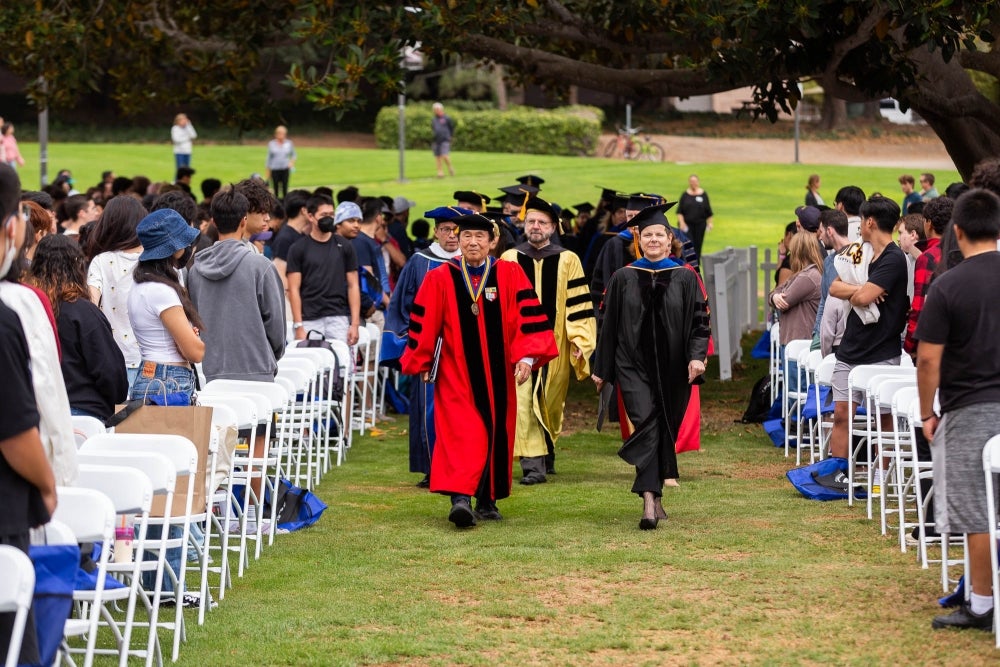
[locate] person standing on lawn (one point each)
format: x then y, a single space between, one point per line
182 135
280 161
492 333
559 283
958 358
442 130
694 213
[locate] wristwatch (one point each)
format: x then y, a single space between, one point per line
296 325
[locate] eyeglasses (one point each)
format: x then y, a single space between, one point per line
448 230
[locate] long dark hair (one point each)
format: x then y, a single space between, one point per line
163 271
115 229
60 270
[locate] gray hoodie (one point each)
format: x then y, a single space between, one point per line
241 301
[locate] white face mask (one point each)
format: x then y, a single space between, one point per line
10 250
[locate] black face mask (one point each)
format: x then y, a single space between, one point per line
185 258
326 224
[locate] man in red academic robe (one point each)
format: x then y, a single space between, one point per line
493 333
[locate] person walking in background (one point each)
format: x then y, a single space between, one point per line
442 128
910 196
812 192
93 367
280 161
694 213
927 189
8 146
182 135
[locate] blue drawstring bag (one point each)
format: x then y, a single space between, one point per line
775 429
55 569
762 348
802 480
297 508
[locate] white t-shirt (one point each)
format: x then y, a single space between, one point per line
145 303
111 273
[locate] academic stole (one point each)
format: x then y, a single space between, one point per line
474 291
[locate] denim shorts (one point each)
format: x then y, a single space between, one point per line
165 378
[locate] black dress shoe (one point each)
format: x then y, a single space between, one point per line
964 618
488 512
461 514
425 483
533 478
648 524
550 471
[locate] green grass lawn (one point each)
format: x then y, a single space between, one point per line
745 571
752 202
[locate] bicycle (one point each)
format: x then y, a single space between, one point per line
627 147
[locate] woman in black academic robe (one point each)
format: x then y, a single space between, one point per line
653 344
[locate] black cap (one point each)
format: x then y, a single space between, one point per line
475 222
652 215
585 207
566 214
472 197
530 179
637 201
607 194
536 203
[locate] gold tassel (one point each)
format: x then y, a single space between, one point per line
524 206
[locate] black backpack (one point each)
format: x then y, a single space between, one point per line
759 406
318 340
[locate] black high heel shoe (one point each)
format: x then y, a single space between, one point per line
649 518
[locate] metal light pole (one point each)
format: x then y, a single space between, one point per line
402 129
43 135
797 120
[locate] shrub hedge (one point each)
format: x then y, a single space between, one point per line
570 130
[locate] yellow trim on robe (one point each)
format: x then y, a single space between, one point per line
540 408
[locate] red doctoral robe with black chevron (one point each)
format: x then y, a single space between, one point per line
475 406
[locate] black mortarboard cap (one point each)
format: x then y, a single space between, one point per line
652 215
607 194
530 179
536 203
585 207
637 201
471 196
475 222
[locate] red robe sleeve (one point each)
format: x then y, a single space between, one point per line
528 326
426 323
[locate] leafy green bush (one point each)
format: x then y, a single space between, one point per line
564 131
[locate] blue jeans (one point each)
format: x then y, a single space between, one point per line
132 373
166 378
182 159
77 412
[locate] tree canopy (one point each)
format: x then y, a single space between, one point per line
146 52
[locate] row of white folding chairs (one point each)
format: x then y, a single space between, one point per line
371 378
17 588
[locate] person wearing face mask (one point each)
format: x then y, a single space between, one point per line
323 287
653 347
397 325
493 333
164 320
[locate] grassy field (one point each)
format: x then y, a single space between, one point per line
752 202
745 571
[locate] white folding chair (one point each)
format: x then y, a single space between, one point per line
908 466
824 378
859 380
84 427
90 515
379 373
791 402
346 432
807 411
774 363
327 409
991 467
303 418
889 445
131 493
243 414
183 454
17 588
363 377
270 464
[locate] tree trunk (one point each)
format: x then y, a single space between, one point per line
871 111
500 87
967 140
834 113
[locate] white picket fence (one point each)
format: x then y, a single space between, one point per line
731 280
